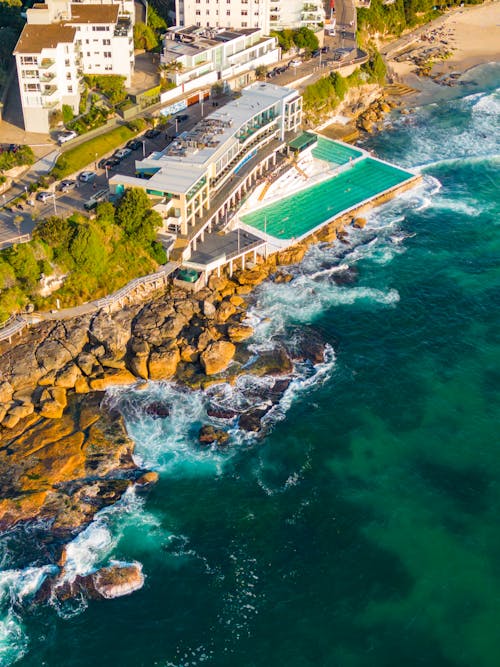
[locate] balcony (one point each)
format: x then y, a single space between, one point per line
47 77
123 27
47 63
49 104
49 91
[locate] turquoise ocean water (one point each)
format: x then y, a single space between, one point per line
362 530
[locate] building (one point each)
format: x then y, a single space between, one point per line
211 54
200 165
266 14
62 41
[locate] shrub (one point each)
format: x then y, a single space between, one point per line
67 113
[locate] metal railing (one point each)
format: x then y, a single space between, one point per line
127 289
18 238
14 325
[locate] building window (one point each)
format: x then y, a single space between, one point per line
198 12
31 87
107 54
108 67
70 89
244 24
88 54
228 12
244 12
106 42
68 75
98 28
28 60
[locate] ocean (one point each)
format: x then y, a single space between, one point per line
362 529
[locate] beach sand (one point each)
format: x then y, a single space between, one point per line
470 34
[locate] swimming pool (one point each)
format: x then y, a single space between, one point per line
334 152
299 214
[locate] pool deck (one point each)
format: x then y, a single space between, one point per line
354 186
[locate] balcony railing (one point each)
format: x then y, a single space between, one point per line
49 91
49 104
47 63
47 77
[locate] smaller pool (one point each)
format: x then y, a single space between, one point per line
332 151
296 215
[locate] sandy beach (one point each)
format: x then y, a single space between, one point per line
468 36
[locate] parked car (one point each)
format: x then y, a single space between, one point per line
182 117
111 162
43 196
316 53
122 153
134 144
325 49
295 62
63 137
102 162
67 185
281 69
151 134
86 176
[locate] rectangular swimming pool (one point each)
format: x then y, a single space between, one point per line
334 152
300 213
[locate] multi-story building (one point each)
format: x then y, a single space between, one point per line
193 53
60 42
266 14
185 178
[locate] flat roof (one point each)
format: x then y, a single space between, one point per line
34 38
81 13
304 139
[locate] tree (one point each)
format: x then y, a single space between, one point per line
144 37
155 21
110 85
23 261
135 216
304 38
261 71
7 275
54 231
87 249
340 85
67 113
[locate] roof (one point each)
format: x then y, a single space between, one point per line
303 140
94 13
34 38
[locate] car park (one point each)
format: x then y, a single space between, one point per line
67 185
151 134
44 196
96 198
122 153
86 176
134 144
63 137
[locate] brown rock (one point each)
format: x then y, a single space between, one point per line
217 284
209 434
117 580
163 362
6 391
272 362
87 363
244 289
217 357
207 336
209 309
252 276
110 332
359 223
190 354
112 379
68 376
225 311
237 300
251 420
148 479
137 357
81 385
292 255
239 332
282 277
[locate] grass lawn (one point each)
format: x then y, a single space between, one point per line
80 156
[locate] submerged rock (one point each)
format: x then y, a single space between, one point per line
209 434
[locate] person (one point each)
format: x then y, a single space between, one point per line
94 185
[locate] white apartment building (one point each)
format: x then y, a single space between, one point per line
266 14
185 177
203 51
60 42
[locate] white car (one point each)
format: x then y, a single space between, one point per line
43 196
122 153
295 62
63 137
86 176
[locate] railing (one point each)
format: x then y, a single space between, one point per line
11 327
134 284
22 238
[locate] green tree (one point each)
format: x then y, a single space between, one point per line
155 21
87 249
304 38
23 261
54 231
7 275
110 85
67 113
144 37
340 85
135 216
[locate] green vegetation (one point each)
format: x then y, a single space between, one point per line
302 38
80 156
144 37
22 156
111 86
393 19
96 117
11 24
155 21
67 113
326 94
98 256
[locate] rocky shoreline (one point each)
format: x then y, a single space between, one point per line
64 456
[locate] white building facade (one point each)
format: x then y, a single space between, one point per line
61 42
190 172
193 53
266 14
